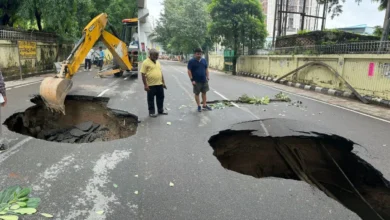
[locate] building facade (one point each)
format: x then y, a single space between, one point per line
292 21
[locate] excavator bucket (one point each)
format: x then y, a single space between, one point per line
53 91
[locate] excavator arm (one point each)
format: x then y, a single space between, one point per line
53 90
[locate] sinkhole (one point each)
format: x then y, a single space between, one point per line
322 160
87 119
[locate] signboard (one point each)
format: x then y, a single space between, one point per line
27 49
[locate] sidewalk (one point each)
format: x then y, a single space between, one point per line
29 80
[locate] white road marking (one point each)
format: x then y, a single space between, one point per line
14 149
246 110
8 89
27 84
102 93
215 91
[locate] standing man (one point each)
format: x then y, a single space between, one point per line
199 75
101 58
3 102
154 83
88 60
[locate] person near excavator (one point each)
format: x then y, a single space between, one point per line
3 101
101 58
88 60
154 83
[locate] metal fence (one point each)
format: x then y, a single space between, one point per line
368 47
28 35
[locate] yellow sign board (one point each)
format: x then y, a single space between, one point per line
27 49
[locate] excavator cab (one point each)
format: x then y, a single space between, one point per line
131 37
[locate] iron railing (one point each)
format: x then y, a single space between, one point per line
368 47
27 35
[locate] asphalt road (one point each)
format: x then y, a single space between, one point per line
76 181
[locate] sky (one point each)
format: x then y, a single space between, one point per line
354 14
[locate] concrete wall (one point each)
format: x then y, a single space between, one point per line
216 62
46 54
368 74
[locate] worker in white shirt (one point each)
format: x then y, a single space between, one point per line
88 60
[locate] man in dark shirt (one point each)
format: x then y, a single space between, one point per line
199 75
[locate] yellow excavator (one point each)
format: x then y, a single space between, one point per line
54 90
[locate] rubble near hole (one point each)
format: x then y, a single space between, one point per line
308 158
87 120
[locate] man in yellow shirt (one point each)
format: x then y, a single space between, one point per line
154 83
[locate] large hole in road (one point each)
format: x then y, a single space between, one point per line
87 120
322 160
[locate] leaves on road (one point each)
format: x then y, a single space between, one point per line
282 97
23 211
254 100
9 217
47 215
15 200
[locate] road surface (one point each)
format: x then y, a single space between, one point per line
76 181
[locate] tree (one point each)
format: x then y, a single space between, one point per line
237 22
8 12
67 18
183 25
378 31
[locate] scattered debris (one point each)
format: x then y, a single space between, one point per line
136 192
136 175
171 184
116 186
182 106
100 212
169 123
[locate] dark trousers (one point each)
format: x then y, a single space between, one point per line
87 63
158 92
100 64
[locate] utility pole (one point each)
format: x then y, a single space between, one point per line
303 15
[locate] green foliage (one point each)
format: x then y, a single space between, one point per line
67 18
183 26
378 31
8 12
301 32
335 7
14 200
283 97
237 23
254 100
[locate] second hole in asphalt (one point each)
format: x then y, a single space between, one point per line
325 161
